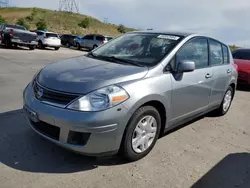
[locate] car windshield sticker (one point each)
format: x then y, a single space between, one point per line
171 37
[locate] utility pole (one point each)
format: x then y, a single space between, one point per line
4 3
69 6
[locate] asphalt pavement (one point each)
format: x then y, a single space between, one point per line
210 152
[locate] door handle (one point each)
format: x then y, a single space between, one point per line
208 76
229 71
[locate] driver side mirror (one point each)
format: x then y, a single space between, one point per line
185 66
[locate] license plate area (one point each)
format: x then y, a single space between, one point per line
31 114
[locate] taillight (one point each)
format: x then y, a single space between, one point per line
36 35
236 67
102 42
12 32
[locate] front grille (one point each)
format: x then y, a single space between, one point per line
44 94
47 129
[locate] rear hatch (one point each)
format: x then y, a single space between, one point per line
52 38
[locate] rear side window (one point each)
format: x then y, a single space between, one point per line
225 54
89 37
216 57
51 35
99 38
195 50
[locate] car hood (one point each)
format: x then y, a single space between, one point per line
243 65
83 74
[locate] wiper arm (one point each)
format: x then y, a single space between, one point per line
126 61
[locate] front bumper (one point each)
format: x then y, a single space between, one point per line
24 43
101 132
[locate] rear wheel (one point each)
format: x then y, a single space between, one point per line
32 47
94 47
226 102
67 45
141 134
40 45
57 48
8 43
78 46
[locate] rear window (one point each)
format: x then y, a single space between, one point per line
109 38
15 27
51 35
242 54
99 38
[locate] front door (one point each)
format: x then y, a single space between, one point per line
191 90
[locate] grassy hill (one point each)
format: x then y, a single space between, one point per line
60 22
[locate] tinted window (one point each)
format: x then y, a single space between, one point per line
196 50
215 53
89 37
51 35
39 33
225 54
242 54
15 27
99 38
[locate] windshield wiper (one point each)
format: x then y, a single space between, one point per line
124 61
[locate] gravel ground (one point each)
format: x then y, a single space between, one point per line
210 152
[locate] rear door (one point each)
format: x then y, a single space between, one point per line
87 41
221 68
191 90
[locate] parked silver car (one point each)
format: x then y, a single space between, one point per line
92 41
121 97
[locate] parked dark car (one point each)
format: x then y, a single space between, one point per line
67 40
18 36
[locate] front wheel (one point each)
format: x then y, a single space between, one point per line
78 46
226 102
57 48
141 134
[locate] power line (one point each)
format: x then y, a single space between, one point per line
69 6
4 3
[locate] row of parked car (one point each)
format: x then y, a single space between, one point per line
15 35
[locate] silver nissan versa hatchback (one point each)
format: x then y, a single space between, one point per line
125 93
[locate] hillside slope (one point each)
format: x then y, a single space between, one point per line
60 22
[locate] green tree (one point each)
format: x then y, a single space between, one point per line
121 28
85 23
41 25
22 22
2 20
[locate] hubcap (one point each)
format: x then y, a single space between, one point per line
227 100
144 134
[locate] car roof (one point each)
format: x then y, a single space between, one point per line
179 33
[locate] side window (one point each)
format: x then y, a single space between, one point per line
225 54
99 38
195 50
215 53
89 37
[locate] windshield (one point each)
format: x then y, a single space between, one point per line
242 54
146 49
51 35
15 27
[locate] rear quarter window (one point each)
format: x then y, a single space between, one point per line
225 54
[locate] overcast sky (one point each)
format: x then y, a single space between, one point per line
226 20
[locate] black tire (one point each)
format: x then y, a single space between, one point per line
94 47
78 46
40 45
221 111
68 45
32 47
57 48
126 146
8 43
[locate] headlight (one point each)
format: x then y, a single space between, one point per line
100 99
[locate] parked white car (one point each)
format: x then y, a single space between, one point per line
48 39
